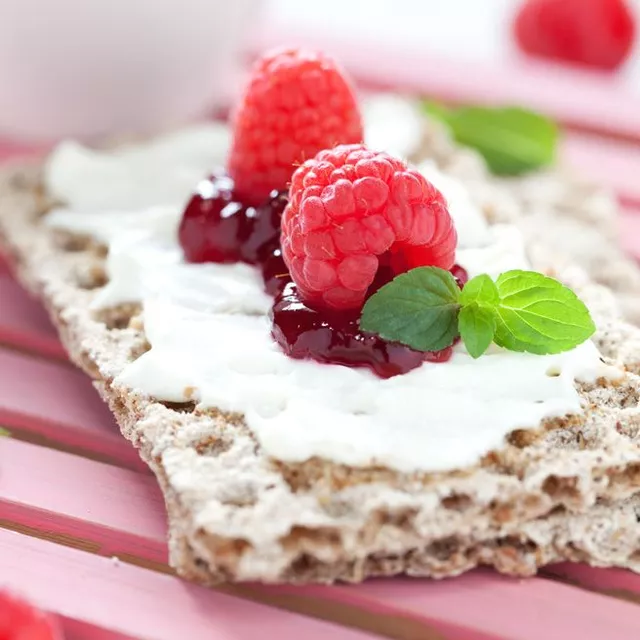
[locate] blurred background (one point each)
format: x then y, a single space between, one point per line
87 67
472 30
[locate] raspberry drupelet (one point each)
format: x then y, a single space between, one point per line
352 211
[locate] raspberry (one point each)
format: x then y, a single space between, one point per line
296 103
596 33
352 211
20 621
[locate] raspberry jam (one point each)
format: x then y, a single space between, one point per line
218 227
303 332
460 274
274 272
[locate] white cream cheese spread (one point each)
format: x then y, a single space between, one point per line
210 337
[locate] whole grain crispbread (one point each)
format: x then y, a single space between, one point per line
565 491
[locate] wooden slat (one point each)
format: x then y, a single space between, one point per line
483 605
58 402
110 510
24 323
613 582
118 512
137 603
16 150
610 163
530 608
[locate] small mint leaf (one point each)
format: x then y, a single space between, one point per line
538 314
418 308
4 433
481 290
511 140
477 326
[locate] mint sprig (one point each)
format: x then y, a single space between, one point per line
521 311
511 140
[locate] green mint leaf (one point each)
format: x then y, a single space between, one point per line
418 308
4 433
481 290
538 314
436 110
511 140
521 311
477 325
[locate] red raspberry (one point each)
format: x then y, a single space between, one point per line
297 103
20 621
352 210
596 33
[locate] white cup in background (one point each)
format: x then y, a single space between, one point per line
88 68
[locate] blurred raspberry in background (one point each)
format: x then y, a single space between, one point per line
593 33
19 620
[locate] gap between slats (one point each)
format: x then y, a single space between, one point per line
113 511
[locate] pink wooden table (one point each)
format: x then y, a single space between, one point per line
82 522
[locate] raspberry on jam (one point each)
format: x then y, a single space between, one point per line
352 211
218 227
304 333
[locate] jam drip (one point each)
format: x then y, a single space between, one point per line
303 332
218 227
